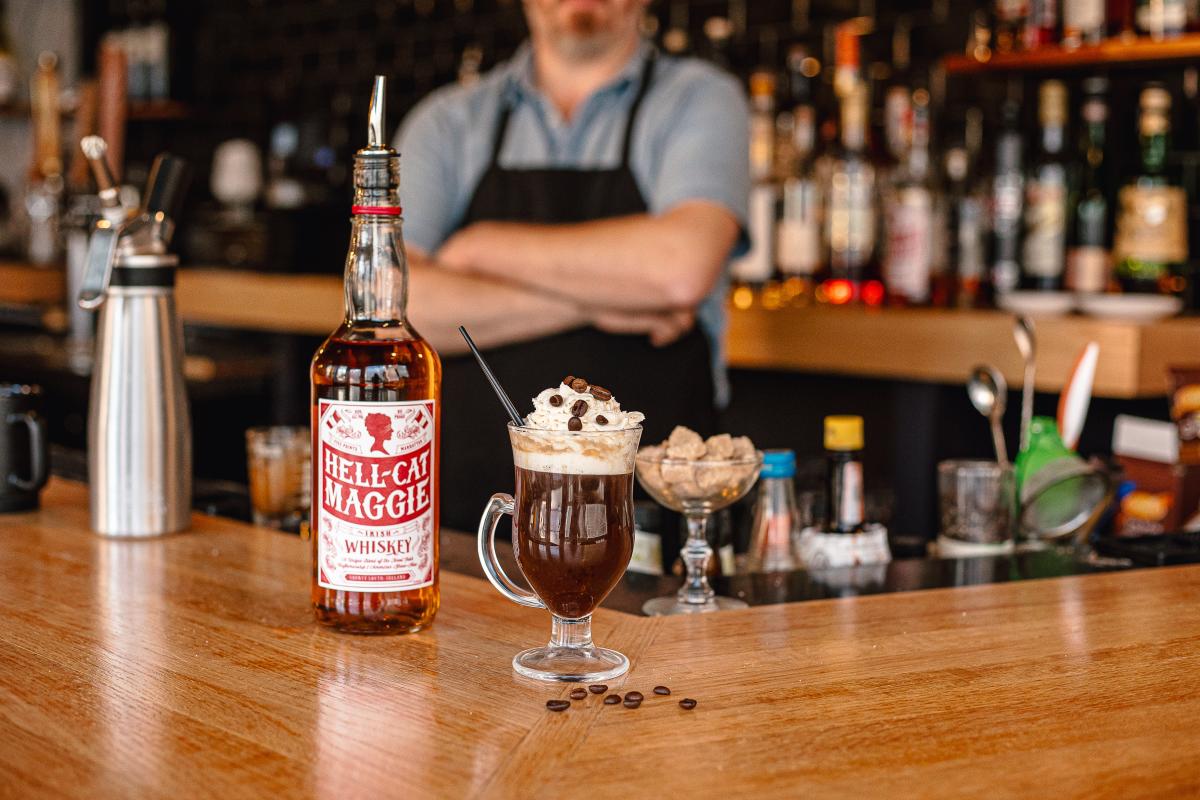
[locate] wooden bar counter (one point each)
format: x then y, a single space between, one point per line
189 667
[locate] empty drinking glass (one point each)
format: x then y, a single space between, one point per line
976 499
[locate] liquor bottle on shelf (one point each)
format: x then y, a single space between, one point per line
843 454
897 98
9 71
1044 249
757 266
1083 22
43 195
1007 202
376 417
1088 267
1150 244
850 209
798 230
1009 22
966 257
908 242
1161 19
1120 19
1041 24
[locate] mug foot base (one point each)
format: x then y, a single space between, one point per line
669 606
571 664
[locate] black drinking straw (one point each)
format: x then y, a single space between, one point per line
487 373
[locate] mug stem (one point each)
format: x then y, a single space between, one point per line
573 633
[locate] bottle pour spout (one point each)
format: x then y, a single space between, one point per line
375 117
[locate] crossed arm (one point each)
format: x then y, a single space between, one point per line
511 282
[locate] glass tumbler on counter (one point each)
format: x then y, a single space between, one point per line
277 460
977 501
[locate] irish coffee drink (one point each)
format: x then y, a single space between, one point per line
572 523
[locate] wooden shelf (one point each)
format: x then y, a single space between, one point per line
930 345
942 346
155 111
1110 52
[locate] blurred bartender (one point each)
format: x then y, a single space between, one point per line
575 208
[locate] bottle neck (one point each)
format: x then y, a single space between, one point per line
376 270
1052 138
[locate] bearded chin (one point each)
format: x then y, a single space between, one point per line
584 37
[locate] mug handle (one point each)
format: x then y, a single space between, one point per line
500 504
37 446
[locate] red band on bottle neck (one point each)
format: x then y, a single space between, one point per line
383 211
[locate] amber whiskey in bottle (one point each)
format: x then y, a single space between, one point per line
376 417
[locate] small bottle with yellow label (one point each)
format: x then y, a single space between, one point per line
843 451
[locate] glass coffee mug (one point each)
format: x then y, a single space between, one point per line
573 538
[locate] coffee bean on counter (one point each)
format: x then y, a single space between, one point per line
636 697
579 385
556 400
574 424
598 688
567 381
558 705
601 419
612 699
578 694
632 703
600 393
579 408
661 690
687 704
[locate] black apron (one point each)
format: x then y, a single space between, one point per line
672 385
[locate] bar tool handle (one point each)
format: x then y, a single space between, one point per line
169 177
38 462
499 505
97 270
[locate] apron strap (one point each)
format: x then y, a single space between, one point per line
498 137
647 74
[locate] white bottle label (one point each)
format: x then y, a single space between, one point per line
757 265
850 512
375 495
910 244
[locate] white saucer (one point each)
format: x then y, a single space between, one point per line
1037 304
1131 307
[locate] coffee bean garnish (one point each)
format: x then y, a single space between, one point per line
597 688
558 705
601 419
632 703
579 385
600 393
574 424
661 690
567 381
687 704
636 697
556 400
578 694
579 408
612 699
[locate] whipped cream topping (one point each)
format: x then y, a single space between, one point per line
551 415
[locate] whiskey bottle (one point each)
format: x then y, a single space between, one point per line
1046 195
1151 237
376 416
1087 259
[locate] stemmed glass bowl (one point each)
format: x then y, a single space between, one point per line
696 489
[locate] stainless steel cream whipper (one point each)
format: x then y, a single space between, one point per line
139 431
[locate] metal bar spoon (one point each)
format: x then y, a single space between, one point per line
989 394
1023 332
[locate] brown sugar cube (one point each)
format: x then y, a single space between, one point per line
685 443
743 447
719 447
688 490
674 473
715 479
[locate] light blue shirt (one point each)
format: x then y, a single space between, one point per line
689 143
